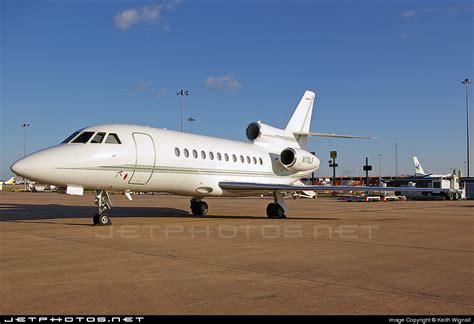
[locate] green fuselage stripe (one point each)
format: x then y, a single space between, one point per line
164 169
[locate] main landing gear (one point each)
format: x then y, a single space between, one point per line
198 207
102 200
278 208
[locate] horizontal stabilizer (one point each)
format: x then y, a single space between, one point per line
330 135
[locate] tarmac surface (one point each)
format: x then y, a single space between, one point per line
327 257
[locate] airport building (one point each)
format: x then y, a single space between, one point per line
468 184
454 183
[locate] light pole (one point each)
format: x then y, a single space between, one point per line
25 126
396 157
190 120
182 93
466 82
380 168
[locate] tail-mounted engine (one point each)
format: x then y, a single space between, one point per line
296 159
261 133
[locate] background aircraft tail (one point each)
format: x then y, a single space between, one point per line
418 168
10 181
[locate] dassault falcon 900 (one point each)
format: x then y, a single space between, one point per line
137 158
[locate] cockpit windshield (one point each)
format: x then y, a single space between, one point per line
85 137
112 139
70 137
98 138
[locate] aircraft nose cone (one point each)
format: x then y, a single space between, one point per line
23 167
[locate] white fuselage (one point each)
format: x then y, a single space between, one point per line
154 160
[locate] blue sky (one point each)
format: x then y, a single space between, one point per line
390 69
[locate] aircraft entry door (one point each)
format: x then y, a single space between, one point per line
145 159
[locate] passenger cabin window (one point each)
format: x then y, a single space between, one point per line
70 138
241 159
248 159
176 151
195 154
211 155
226 157
98 138
260 160
186 153
112 139
234 158
203 155
219 156
254 160
83 138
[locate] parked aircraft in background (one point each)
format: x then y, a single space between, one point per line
10 181
419 172
145 159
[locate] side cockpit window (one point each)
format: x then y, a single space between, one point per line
83 138
70 138
98 138
113 138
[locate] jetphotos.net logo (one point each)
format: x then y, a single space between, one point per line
347 232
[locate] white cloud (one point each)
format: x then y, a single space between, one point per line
170 5
151 13
141 87
408 13
126 18
228 82
160 92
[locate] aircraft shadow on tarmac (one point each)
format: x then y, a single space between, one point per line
25 212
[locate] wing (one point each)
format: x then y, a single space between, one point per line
266 187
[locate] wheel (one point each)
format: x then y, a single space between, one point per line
278 212
458 196
95 219
104 219
199 208
270 210
450 196
275 211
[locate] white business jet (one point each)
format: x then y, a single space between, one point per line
145 159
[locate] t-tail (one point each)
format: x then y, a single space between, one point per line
300 121
296 132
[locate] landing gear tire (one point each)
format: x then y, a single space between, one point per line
102 219
199 208
275 211
270 210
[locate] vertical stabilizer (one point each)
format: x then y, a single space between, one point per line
300 121
418 168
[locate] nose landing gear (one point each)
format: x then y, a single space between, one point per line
198 207
102 200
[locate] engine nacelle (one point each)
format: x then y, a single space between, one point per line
296 159
256 130
263 134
